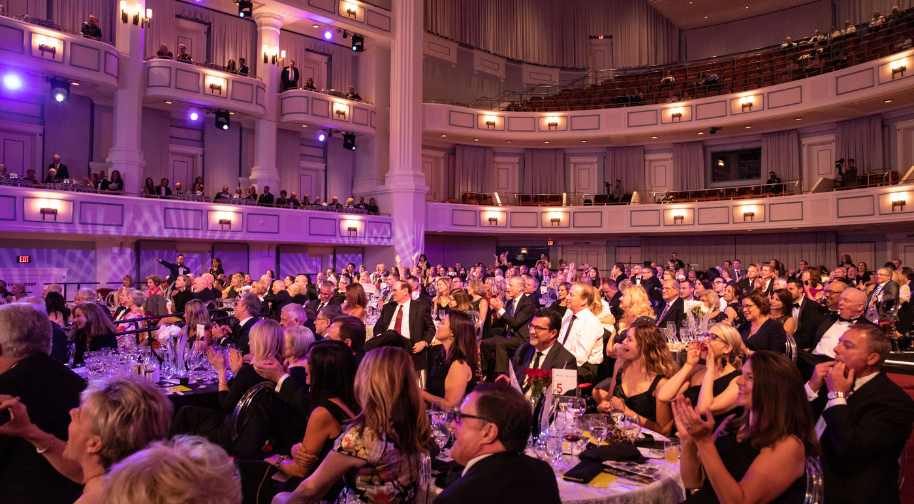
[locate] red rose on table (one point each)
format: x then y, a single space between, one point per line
538 380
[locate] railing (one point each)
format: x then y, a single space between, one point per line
329 92
207 65
787 188
737 72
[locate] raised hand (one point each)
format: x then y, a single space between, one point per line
19 423
235 360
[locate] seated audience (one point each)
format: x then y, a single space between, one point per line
90 28
356 303
116 417
30 378
309 84
782 310
492 428
299 340
378 453
453 362
760 331
163 52
246 315
759 456
243 67
182 470
643 367
543 351
91 331
352 95
182 54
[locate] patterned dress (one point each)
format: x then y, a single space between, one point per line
389 477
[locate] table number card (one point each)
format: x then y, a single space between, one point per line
564 380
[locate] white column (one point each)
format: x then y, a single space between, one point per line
264 171
403 195
126 155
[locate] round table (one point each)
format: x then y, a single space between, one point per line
667 489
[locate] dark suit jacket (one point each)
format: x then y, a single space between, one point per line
296 393
59 343
614 305
746 285
205 295
62 172
654 290
421 327
49 390
557 358
810 317
889 294
243 70
675 314
518 325
160 188
504 478
240 335
314 303
289 77
277 301
862 442
174 271
265 199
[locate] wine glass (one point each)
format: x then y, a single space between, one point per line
597 430
631 428
577 406
574 433
554 449
438 415
617 410
442 435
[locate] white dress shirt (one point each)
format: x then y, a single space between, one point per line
812 396
830 339
585 338
473 461
543 354
404 324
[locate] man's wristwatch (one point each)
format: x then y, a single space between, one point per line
835 395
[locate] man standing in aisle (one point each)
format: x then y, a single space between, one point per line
176 270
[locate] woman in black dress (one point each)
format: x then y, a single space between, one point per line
733 295
441 304
92 330
772 437
722 347
216 268
643 366
561 292
453 369
782 310
760 331
181 293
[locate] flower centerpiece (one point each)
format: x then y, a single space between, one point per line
698 317
537 381
172 341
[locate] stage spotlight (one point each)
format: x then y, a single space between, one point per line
60 90
194 115
358 43
321 135
245 8
12 81
349 141
328 34
222 119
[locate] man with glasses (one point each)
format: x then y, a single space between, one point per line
673 309
612 296
323 320
542 352
412 319
324 298
884 294
492 428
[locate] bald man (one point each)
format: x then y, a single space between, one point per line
851 312
278 298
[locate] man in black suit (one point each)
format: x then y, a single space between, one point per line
289 76
768 280
493 425
513 319
201 291
884 294
324 298
612 295
543 351
618 272
748 283
418 293
242 67
673 310
175 270
864 419
49 391
411 319
62 172
652 286
851 310
162 189
246 315
266 199
351 331
806 312
224 194
278 299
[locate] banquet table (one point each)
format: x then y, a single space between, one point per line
668 489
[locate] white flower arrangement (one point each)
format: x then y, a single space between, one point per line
246 289
168 333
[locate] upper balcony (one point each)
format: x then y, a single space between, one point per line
52 51
173 80
320 109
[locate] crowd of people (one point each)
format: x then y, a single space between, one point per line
790 367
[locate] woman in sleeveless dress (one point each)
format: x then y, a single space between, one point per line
454 362
782 309
643 366
759 456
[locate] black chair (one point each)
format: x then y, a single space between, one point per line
262 425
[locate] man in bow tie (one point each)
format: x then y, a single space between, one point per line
864 419
851 308
806 312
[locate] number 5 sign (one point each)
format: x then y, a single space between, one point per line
564 380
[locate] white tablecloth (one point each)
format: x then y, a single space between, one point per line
668 489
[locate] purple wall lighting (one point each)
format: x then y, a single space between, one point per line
12 81
328 34
193 115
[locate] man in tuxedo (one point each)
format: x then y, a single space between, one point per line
738 273
851 310
175 270
531 290
768 281
864 419
652 286
492 428
324 298
612 295
49 391
243 67
266 199
224 194
582 333
512 319
618 272
278 299
636 275
748 283
162 189
351 331
413 320
806 312
832 296
62 172
289 76
673 310
884 294
543 350
853 279
246 316
201 291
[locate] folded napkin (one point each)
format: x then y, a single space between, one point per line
616 452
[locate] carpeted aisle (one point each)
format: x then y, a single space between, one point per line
907 490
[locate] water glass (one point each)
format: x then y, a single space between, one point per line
577 406
442 435
671 448
597 430
617 411
554 449
631 428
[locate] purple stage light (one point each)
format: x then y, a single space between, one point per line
328 34
12 81
194 115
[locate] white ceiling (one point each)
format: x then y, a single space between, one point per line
688 14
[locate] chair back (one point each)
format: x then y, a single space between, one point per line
902 465
815 486
251 425
791 348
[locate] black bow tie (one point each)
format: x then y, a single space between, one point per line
849 321
796 305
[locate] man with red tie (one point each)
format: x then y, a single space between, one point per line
412 319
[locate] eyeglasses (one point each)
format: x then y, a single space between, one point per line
459 416
535 328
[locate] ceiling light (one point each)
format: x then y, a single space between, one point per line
888 101
701 132
475 139
509 141
74 83
315 25
222 119
328 34
443 136
547 141
583 141
60 90
655 136
349 141
194 115
798 119
231 113
304 125
321 135
168 103
748 127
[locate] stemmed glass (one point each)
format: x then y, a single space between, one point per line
631 428
442 435
577 406
597 430
617 410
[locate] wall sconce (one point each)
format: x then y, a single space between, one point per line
213 87
899 200
746 103
555 218
352 229
748 216
225 222
552 124
898 66
493 221
677 114
51 49
490 122
351 10
340 110
138 18
275 56
679 218
49 211
147 18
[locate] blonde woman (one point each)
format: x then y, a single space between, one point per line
369 287
442 301
476 289
196 314
722 346
634 304
234 288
